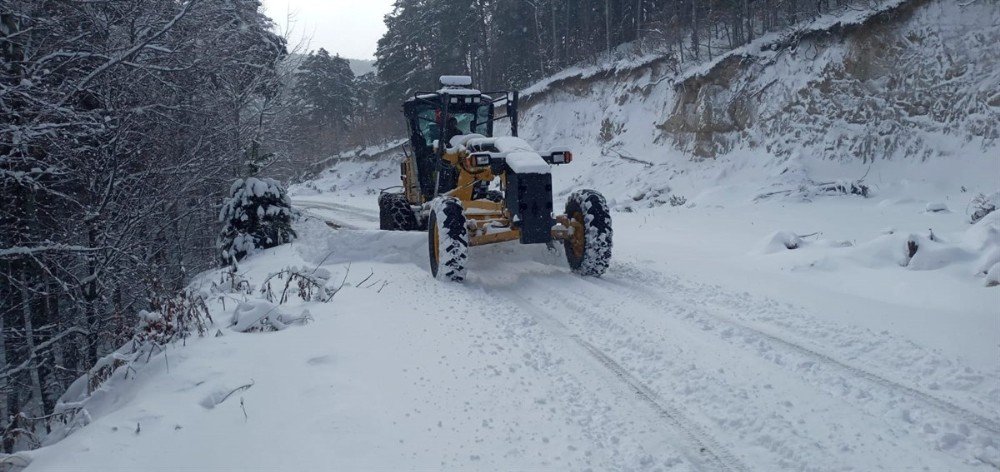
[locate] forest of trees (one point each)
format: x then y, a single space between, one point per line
122 126
510 43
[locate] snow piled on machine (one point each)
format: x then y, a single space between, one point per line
520 156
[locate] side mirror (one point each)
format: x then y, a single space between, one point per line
561 156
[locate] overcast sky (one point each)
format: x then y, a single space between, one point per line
350 28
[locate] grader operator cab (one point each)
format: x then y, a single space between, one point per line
467 187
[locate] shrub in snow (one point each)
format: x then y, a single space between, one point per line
610 130
308 284
983 205
809 189
782 241
231 281
169 319
930 253
257 215
993 276
677 200
259 315
173 318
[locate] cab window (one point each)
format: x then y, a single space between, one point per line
473 120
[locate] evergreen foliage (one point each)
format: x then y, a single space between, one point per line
510 43
325 91
257 215
326 103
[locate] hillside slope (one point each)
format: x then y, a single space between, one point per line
915 81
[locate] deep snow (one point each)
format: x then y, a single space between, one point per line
750 320
699 350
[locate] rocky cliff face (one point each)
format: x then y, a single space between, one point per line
926 71
919 80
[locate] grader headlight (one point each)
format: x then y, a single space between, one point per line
477 159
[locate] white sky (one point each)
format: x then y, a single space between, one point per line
350 28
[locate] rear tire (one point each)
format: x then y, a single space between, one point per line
589 253
395 213
447 239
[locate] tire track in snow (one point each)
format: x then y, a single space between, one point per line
361 213
708 454
333 223
707 446
940 404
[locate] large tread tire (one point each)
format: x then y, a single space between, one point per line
590 253
481 191
494 196
447 239
395 213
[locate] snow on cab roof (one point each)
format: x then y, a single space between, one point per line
459 91
450 91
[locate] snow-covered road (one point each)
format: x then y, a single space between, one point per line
689 354
336 215
721 380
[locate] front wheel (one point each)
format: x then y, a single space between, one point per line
588 249
395 213
447 239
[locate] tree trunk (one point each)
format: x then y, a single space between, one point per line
539 44
638 25
694 28
90 299
607 26
711 30
7 294
29 340
555 34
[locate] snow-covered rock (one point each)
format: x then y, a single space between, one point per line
781 241
936 207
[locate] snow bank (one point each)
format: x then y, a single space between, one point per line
972 253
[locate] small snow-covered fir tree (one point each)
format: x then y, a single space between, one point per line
257 215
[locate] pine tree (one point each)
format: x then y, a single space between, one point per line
516 43
257 215
325 91
326 101
405 53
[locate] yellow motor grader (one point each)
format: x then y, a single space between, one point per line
467 187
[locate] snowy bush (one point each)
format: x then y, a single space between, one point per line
983 205
610 130
808 190
781 241
257 215
308 284
173 318
259 315
993 275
